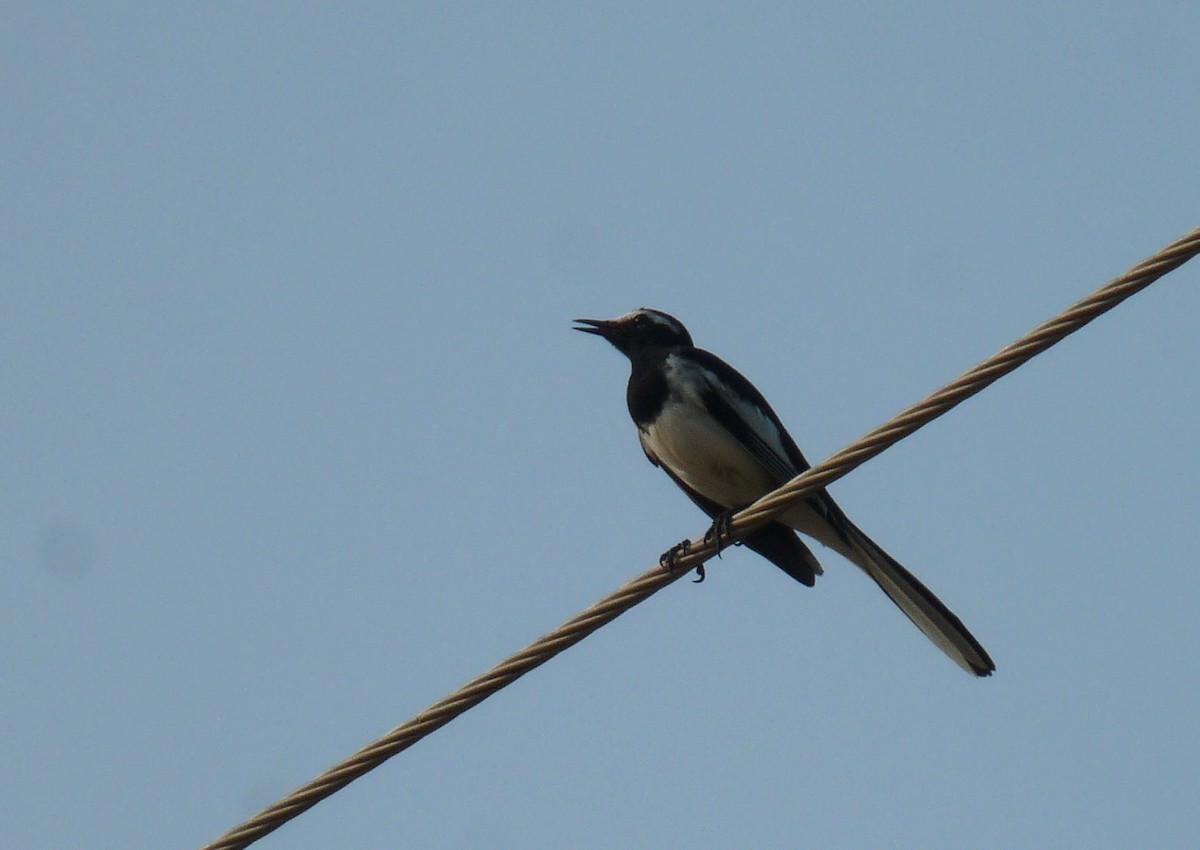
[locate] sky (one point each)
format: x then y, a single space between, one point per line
297 438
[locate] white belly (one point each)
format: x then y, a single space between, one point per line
705 456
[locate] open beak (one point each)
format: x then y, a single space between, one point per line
599 327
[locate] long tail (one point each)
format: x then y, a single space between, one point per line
927 612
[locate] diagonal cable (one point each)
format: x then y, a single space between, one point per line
960 389
616 603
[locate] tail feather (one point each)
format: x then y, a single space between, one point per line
928 613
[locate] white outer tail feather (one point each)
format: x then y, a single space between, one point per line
918 603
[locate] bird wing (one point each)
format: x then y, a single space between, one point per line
742 411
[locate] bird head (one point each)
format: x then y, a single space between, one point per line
639 330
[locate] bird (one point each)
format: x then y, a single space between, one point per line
714 434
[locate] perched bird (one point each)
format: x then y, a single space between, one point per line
719 440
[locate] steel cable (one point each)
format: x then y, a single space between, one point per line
614 604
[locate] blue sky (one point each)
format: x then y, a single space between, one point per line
297 438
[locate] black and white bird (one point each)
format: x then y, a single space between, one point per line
719 440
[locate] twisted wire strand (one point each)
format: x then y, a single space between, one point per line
960 389
702 548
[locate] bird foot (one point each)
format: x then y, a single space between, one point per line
720 531
669 558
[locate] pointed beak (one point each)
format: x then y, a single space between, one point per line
599 327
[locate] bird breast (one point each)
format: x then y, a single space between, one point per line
706 457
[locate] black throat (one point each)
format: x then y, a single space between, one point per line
647 391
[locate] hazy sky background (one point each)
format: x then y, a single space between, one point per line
296 437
